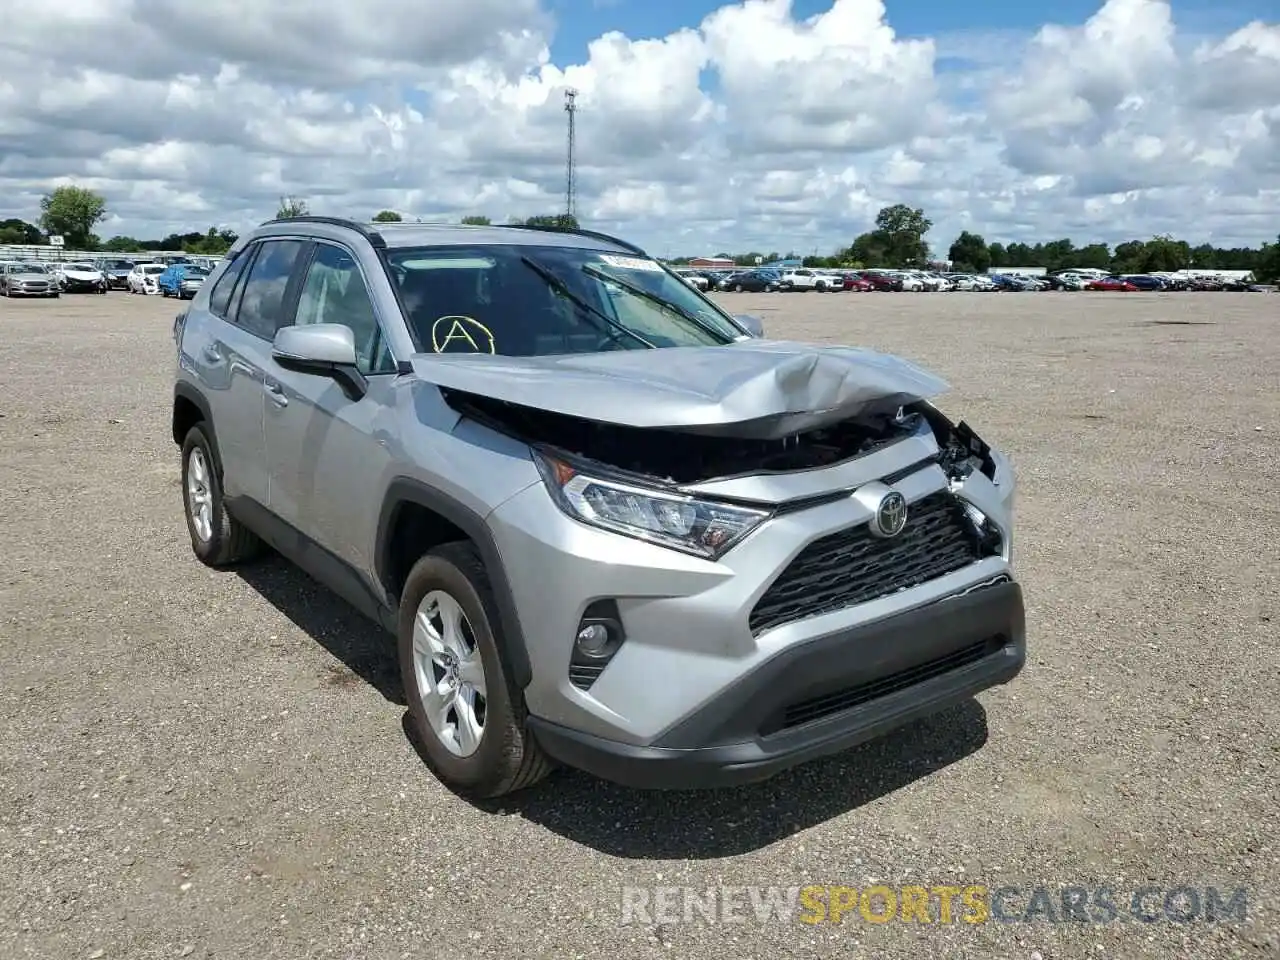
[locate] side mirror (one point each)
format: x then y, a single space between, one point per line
322 349
752 324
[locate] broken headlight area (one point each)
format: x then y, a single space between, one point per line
961 452
675 457
689 524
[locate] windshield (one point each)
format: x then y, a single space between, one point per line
80 266
30 268
538 300
153 268
194 273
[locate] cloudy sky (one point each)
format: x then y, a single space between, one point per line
763 124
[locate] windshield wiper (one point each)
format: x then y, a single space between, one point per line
640 291
611 327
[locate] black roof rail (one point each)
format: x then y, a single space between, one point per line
577 231
366 231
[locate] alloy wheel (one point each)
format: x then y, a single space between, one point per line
450 673
200 495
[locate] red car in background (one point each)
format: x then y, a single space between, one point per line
857 283
1110 283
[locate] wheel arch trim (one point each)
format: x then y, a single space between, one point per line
405 491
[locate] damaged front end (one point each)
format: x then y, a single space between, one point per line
677 457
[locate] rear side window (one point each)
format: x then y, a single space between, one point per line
262 305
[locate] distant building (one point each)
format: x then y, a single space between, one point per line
711 263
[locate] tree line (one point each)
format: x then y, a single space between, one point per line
897 239
73 212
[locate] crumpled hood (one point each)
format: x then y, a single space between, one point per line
753 389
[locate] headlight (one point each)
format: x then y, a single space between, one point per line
700 527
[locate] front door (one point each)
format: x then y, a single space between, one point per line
326 450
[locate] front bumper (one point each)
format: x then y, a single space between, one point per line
47 290
82 286
850 687
688 621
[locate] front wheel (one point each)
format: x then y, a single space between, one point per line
464 714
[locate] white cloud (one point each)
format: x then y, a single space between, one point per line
750 129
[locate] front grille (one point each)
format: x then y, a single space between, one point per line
829 704
852 566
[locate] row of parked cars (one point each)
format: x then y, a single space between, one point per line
33 278
767 280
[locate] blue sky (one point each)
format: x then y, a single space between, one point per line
580 21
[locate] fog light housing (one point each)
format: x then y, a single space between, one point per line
597 640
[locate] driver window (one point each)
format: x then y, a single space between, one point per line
334 292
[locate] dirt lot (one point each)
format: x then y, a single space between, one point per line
212 764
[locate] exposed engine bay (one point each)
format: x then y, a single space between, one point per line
683 458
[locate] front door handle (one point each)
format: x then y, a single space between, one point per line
276 393
212 354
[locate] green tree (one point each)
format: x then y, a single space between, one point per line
969 253
1096 256
1164 253
476 220
20 233
72 212
1129 257
869 248
901 230
212 243
997 255
387 216
1268 269
292 207
122 245
565 221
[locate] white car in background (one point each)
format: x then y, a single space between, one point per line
79 277
802 279
144 277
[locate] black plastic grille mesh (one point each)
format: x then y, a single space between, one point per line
852 566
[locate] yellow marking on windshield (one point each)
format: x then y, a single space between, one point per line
458 331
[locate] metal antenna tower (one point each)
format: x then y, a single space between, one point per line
570 187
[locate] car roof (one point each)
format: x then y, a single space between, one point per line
402 235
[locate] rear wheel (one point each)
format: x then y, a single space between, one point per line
217 538
464 714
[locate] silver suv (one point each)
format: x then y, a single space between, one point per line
610 525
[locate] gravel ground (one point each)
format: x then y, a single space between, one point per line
213 764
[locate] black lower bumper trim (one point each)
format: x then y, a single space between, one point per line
726 742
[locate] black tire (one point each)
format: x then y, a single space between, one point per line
508 757
230 541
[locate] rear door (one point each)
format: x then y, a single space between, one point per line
245 308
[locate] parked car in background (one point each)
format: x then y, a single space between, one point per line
752 281
883 280
81 277
143 277
181 280
857 283
798 280
117 273
20 279
694 279
1117 284
1145 281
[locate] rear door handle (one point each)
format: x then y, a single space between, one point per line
276 393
